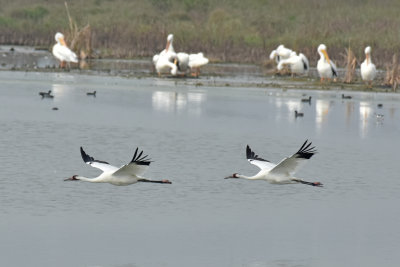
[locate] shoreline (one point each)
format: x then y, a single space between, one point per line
27 59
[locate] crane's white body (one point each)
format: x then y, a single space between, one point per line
298 64
281 173
326 68
368 69
127 174
61 51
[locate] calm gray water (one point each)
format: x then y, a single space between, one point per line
196 136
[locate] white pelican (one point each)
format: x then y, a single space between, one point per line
169 48
368 70
280 53
164 65
196 61
128 174
182 63
326 68
281 173
163 62
62 52
298 64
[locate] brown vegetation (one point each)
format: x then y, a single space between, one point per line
227 30
351 63
392 77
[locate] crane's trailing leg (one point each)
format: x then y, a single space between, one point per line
308 183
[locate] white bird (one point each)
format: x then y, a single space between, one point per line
281 173
62 52
298 64
368 70
326 68
128 174
196 61
164 62
280 53
182 63
164 65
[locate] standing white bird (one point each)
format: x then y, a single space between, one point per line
164 62
368 70
196 61
280 53
62 52
326 68
182 63
298 64
128 174
281 173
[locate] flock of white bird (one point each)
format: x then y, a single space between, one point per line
327 70
168 61
131 173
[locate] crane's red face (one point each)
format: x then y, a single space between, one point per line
232 176
73 178
166 181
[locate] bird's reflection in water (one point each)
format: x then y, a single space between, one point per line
178 102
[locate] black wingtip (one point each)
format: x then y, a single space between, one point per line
140 159
88 159
250 155
306 151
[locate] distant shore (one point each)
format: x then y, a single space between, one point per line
23 58
226 31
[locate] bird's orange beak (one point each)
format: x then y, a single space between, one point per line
62 41
326 55
168 44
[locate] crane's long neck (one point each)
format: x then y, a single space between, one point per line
255 177
91 180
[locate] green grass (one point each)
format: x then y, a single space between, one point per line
225 30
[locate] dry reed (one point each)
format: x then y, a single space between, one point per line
351 63
81 38
392 76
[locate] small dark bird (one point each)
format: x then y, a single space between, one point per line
92 93
55 108
380 105
44 94
346 96
298 114
306 100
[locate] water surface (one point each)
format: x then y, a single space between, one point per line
196 135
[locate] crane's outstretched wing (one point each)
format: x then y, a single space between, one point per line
102 165
261 163
138 165
289 166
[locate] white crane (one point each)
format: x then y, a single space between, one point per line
281 173
128 174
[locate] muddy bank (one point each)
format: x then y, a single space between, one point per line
22 58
